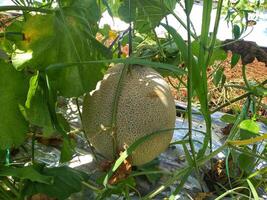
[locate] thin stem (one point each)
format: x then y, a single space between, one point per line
202 57
190 91
183 171
22 8
191 23
7 156
215 30
181 184
245 76
175 87
230 102
233 41
183 24
159 45
4 34
174 178
248 153
236 99
236 86
32 147
119 37
130 30
181 80
78 107
91 186
115 109
85 135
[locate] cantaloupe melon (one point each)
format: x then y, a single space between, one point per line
145 105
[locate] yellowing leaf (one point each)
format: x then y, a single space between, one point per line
248 141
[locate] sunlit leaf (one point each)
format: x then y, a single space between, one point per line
36 107
68 36
253 190
13 90
227 118
248 129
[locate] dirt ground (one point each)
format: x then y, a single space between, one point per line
255 71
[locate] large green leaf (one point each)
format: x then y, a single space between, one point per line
68 36
66 182
13 90
146 14
36 107
26 173
248 129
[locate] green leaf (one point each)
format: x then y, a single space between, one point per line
218 76
122 188
248 129
197 78
28 172
246 162
13 31
236 31
2 156
156 65
188 6
19 58
68 36
227 118
13 90
253 190
36 108
63 122
259 90
32 89
3 55
152 166
66 182
169 4
146 14
217 54
127 12
234 60
67 150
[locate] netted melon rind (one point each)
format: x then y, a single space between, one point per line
145 105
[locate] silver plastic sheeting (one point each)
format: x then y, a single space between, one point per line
172 159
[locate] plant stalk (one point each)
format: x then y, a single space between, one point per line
25 8
190 91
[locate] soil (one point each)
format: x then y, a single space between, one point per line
4 21
255 71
